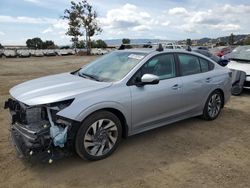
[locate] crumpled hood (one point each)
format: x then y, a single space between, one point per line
54 88
239 66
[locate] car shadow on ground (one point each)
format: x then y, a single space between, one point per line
149 150
245 92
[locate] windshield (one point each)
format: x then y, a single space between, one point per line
111 67
241 53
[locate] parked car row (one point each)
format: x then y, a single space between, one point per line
35 53
50 52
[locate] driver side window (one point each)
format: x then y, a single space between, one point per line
162 66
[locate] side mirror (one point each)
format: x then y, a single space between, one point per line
149 79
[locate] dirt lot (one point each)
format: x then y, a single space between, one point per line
191 153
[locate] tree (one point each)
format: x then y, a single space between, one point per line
74 23
1 47
81 14
246 41
35 43
49 44
89 20
100 44
125 41
231 39
189 42
65 47
80 44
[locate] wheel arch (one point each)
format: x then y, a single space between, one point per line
117 109
121 117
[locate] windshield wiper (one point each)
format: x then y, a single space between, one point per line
89 76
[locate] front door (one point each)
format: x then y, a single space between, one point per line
152 105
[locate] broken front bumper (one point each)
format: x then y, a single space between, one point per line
30 141
36 143
31 130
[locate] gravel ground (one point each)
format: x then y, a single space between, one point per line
190 153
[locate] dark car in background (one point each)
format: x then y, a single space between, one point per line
221 51
221 61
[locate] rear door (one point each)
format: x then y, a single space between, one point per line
195 79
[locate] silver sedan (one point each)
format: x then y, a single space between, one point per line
120 94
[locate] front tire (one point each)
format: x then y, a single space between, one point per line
213 106
98 136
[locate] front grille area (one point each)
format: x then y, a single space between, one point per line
24 114
247 83
30 129
33 115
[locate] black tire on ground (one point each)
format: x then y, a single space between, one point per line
237 90
79 142
206 112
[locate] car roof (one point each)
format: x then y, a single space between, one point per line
153 50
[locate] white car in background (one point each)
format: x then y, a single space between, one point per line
10 53
64 52
23 53
38 53
240 60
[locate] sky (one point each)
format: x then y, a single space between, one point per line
155 19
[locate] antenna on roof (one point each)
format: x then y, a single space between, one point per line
160 48
189 48
122 47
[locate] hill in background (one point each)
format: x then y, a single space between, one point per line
202 41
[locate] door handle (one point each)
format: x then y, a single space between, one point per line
208 80
176 86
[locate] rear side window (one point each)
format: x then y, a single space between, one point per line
189 64
204 65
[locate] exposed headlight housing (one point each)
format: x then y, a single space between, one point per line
63 121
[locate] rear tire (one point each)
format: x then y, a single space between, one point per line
213 106
98 136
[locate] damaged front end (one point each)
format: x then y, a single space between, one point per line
38 131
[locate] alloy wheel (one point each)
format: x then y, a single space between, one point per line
214 105
100 137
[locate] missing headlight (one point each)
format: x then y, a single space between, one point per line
61 104
59 126
62 121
